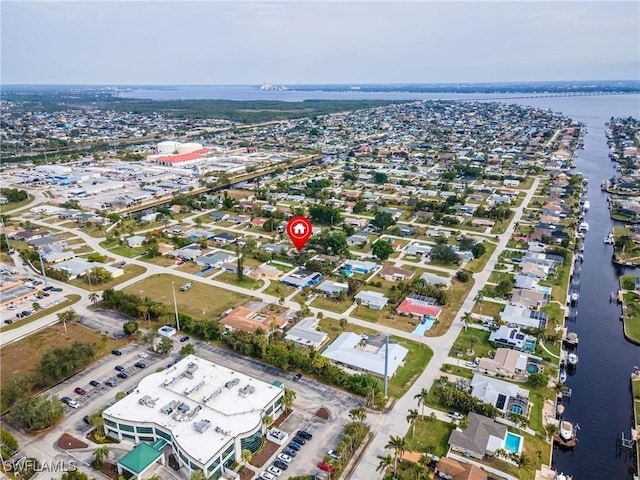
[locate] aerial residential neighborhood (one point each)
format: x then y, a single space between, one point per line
435 282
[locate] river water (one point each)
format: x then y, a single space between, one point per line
601 401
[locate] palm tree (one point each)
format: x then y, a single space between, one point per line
246 456
523 461
422 398
399 445
479 298
93 297
289 397
197 475
358 414
418 470
65 317
101 455
466 318
551 429
385 463
411 418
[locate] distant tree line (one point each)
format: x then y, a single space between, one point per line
14 195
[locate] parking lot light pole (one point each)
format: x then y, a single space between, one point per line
175 305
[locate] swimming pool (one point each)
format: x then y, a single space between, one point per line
513 443
423 327
532 368
517 409
529 345
544 289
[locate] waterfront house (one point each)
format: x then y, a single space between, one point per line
512 337
483 436
505 396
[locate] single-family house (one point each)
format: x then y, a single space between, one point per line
505 396
249 320
421 308
417 248
373 300
214 259
512 337
307 333
529 298
224 237
274 247
135 241
219 216
189 252
505 363
392 273
483 436
359 266
301 278
265 271
329 288
517 315
433 279
357 239
525 282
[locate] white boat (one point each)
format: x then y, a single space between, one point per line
566 430
586 206
583 227
563 376
572 358
574 297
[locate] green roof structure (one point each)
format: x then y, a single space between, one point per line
140 458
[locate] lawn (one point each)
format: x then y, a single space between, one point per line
16 205
278 289
123 250
190 267
130 271
560 284
458 371
280 266
69 300
459 292
332 328
632 315
475 339
477 264
414 364
23 356
365 313
333 305
431 436
556 315
497 277
200 301
160 260
490 309
500 226
246 282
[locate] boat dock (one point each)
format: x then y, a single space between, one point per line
562 443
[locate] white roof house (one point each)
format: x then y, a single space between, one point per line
505 396
205 412
306 334
374 300
77 267
350 350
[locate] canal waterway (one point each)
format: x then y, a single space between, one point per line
601 397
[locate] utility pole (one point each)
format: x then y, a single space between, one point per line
386 364
175 305
44 275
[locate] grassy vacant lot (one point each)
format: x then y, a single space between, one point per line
497 277
160 260
123 250
458 371
24 355
414 364
474 339
459 292
16 205
490 309
130 271
201 298
246 282
477 264
331 304
332 328
69 300
632 315
278 289
431 436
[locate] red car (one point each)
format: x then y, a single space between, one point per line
80 391
325 467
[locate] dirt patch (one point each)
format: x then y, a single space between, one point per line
323 413
263 456
247 474
110 470
280 420
92 437
68 442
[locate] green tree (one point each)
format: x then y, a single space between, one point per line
93 297
9 443
422 398
466 319
412 417
398 445
358 414
246 456
382 249
383 220
101 454
198 474
165 346
289 397
36 413
66 316
444 254
188 349
385 463
380 177
120 395
538 380
75 475
131 327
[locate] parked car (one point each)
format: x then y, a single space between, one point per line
143 354
294 446
80 391
284 457
110 383
120 368
267 476
304 434
333 454
72 403
140 364
184 339
56 289
281 465
455 415
8 321
289 451
274 470
299 440
117 353
46 289
470 364
94 383
123 375
297 377
85 419
326 467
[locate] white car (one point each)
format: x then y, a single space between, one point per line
284 457
470 364
455 415
267 476
333 454
143 355
274 470
73 404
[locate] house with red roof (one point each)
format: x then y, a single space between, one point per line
421 308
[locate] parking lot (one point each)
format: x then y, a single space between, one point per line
310 396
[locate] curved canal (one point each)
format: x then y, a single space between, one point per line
601 401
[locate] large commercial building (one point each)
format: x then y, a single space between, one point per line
205 413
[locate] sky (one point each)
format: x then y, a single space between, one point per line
300 42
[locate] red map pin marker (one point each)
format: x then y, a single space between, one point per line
299 230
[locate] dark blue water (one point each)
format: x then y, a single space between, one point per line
601 402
